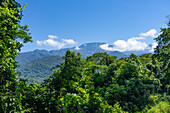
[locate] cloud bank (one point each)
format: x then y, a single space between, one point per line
132 44
69 41
53 43
151 33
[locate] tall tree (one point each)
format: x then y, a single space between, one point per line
11 33
162 53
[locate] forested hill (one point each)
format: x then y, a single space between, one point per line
38 70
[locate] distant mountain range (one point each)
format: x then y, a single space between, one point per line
86 49
37 64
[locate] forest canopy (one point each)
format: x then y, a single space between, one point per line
99 83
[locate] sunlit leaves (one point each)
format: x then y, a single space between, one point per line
10 30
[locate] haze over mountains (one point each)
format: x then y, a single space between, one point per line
37 64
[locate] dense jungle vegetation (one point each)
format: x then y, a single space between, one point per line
97 84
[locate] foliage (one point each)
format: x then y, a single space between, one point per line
10 32
163 56
99 83
161 107
78 85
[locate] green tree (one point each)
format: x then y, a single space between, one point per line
102 58
10 33
132 87
162 54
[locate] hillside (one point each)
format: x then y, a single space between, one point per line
38 70
31 55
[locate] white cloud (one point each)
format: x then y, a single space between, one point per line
106 47
69 41
77 48
151 33
39 42
138 38
52 36
131 44
51 42
153 47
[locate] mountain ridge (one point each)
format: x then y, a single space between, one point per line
85 49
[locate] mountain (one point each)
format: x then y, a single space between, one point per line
36 65
39 69
86 49
31 55
117 53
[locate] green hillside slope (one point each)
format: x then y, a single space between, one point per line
38 70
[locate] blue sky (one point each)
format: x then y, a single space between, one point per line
56 24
